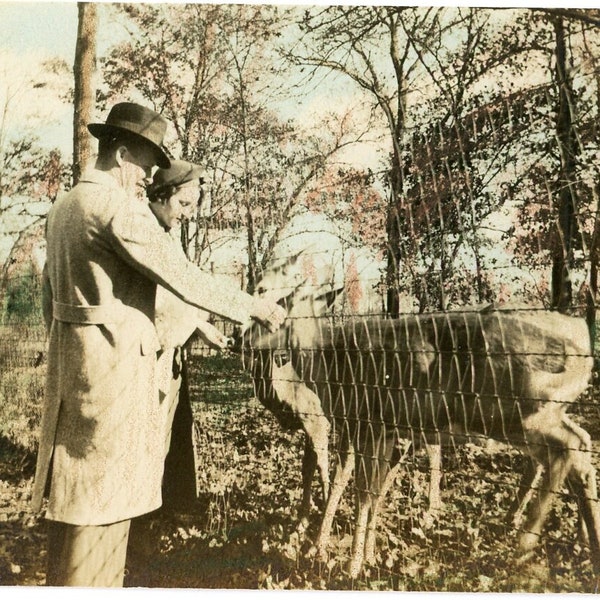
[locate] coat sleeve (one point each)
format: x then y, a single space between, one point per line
136 236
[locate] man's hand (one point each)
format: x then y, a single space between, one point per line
268 313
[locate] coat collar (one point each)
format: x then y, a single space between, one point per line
93 175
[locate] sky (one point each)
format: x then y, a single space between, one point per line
52 26
31 33
33 30
47 26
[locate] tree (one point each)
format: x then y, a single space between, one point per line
418 66
348 40
465 140
210 69
556 221
31 174
84 94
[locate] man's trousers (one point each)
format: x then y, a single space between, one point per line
87 556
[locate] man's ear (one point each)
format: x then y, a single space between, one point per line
120 155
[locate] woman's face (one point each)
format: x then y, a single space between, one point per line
179 207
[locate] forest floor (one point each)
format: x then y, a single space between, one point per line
242 532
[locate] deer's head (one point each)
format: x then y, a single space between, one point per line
307 305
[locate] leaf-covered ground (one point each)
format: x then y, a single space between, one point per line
242 531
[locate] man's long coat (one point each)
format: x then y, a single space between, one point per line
106 254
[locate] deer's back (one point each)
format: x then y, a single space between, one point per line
470 372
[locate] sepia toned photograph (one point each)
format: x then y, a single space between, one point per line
299 297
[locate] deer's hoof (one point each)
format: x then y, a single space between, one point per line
355 567
317 552
528 541
430 518
302 526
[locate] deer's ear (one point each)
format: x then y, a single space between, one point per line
285 263
330 297
294 259
286 301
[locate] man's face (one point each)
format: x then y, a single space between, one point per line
136 169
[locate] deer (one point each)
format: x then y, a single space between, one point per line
507 375
296 407
279 389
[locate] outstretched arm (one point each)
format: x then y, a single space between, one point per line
136 236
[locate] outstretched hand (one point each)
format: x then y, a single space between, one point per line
212 336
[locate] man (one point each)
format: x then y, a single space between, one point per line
100 460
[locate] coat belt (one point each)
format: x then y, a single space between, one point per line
87 315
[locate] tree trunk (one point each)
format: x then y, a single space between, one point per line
393 225
84 94
393 245
562 292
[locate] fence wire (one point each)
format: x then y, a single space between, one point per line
429 387
440 379
389 390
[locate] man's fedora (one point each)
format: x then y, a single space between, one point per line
141 122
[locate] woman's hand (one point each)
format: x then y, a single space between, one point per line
211 335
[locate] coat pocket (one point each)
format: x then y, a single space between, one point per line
140 327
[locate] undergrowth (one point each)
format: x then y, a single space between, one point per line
242 531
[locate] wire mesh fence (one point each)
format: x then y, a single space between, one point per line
389 387
390 391
429 411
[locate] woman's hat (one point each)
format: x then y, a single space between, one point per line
180 172
141 122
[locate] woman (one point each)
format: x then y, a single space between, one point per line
174 194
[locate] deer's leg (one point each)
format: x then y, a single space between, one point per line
318 430
582 482
371 540
342 476
525 490
553 477
434 454
560 449
372 470
362 509
395 462
582 532
309 464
